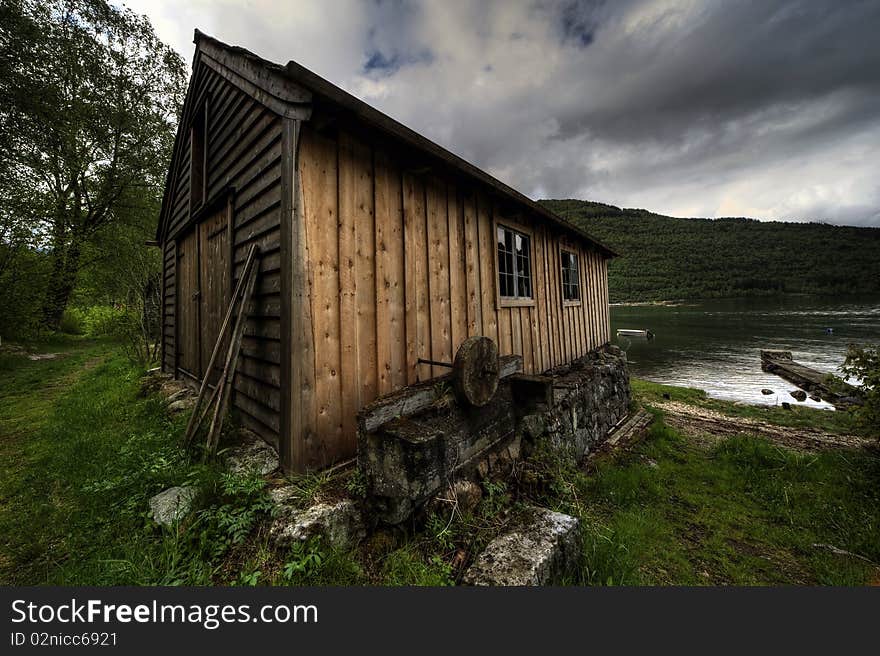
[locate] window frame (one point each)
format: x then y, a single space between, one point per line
563 249
514 301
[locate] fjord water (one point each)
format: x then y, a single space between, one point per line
715 345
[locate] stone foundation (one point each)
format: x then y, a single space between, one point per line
410 458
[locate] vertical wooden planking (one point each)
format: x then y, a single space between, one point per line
594 299
365 274
540 340
601 305
390 277
438 274
552 326
580 312
525 326
472 265
595 306
486 247
606 301
552 300
584 315
537 361
516 336
418 334
459 302
357 290
319 172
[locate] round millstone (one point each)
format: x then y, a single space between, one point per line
476 371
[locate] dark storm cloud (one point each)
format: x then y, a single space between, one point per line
767 108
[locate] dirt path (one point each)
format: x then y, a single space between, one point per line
709 424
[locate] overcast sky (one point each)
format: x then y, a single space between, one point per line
763 109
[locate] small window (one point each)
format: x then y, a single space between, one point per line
571 290
514 264
197 176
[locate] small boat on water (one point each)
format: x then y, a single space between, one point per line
629 332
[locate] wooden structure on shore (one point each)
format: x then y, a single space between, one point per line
378 250
808 379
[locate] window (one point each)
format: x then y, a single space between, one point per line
571 290
197 176
514 265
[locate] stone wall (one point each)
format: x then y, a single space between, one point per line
409 459
590 396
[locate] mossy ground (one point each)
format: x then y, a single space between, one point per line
81 452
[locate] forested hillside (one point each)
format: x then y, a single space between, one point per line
665 258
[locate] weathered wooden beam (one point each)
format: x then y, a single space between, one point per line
420 396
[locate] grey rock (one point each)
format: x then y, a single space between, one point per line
815 397
766 392
179 395
285 494
799 395
43 356
340 525
172 505
182 405
252 457
542 550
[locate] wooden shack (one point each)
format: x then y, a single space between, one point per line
378 248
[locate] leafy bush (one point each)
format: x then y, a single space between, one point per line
127 324
72 322
864 363
93 321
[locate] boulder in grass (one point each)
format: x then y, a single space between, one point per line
542 549
339 525
172 505
254 456
182 405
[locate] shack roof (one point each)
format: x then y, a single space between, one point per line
324 93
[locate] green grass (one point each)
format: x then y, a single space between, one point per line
81 453
797 417
744 512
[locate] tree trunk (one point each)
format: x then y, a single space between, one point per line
65 267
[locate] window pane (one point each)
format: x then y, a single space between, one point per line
514 267
570 281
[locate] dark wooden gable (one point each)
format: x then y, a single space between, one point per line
236 129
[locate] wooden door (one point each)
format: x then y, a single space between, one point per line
214 273
188 305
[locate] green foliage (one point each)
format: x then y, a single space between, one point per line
356 485
665 258
311 563
864 363
407 566
93 321
91 98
